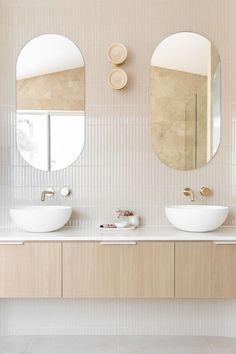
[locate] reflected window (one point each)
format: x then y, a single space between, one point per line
50 140
216 110
50 102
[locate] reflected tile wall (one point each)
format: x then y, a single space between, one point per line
117 167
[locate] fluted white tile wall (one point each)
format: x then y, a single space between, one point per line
117 167
118 317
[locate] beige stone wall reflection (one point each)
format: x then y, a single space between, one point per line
196 130
173 112
61 91
190 134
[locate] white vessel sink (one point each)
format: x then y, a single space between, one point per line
197 218
41 218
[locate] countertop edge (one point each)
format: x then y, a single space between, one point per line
144 233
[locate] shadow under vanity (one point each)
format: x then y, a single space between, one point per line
149 262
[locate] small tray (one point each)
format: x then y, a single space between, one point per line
128 228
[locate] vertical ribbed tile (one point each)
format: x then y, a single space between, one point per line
117 167
118 317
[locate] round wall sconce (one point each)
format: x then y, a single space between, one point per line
117 53
118 79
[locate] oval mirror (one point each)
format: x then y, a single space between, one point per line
185 101
50 117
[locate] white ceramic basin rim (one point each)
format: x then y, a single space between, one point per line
45 218
197 218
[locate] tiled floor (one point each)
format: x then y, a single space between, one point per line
116 345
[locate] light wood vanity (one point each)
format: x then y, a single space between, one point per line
108 269
31 269
205 270
159 267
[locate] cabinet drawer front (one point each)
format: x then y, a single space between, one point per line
143 269
90 270
205 270
30 270
147 270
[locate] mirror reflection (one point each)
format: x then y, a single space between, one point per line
50 117
185 101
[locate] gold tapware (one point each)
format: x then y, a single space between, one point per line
205 191
47 193
188 192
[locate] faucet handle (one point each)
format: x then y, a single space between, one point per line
65 192
205 191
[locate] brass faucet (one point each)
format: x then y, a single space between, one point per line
188 192
47 193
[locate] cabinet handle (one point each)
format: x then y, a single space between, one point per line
225 242
130 243
11 243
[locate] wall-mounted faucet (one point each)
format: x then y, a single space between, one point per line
47 193
188 192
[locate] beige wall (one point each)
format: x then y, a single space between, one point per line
57 91
173 117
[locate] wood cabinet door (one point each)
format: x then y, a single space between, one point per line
205 270
30 270
147 270
130 270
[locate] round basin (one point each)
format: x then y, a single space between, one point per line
197 218
41 218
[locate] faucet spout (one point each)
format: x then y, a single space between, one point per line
45 194
188 192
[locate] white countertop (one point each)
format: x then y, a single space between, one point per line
144 233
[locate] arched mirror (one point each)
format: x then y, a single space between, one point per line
50 116
185 101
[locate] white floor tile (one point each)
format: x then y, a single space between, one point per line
221 345
14 345
162 345
74 345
